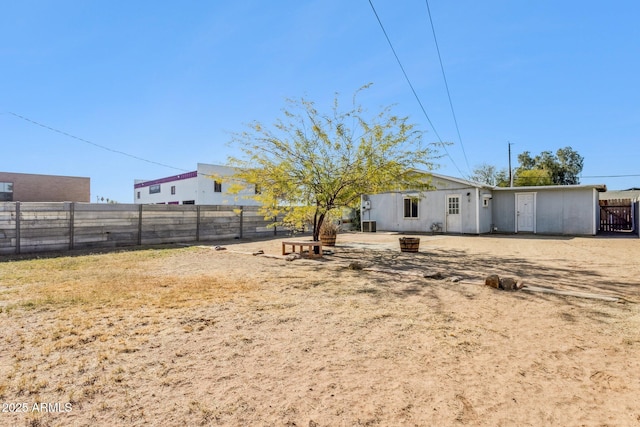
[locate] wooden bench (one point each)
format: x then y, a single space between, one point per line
303 243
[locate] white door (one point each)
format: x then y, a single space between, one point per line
525 212
454 221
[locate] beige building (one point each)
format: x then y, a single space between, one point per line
26 187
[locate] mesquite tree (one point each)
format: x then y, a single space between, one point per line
310 163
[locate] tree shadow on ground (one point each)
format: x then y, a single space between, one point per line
451 263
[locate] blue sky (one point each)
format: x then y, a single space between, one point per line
169 81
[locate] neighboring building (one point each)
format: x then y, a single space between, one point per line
26 187
459 206
208 185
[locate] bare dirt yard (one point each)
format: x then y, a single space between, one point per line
186 336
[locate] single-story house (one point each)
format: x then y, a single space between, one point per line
456 205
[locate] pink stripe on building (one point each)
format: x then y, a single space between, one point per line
182 176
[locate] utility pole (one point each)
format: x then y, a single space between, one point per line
510 172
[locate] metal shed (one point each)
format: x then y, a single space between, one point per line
552 209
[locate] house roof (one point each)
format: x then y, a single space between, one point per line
598 187
601 188
467 183
461 181
633 194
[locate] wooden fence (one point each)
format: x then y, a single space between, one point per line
616 215
33 227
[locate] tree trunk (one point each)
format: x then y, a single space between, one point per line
318 220
317 223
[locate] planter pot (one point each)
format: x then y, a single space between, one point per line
409 244
328 240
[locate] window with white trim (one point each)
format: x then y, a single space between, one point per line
411 207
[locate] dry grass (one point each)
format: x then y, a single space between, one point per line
198 337
75 323
122 280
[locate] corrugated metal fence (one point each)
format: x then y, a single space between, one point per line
34 227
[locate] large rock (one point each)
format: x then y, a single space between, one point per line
492 281
506 283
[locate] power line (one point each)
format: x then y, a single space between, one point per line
446 84
424 111
102 147
609 176
105 147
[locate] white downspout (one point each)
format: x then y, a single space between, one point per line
477 210
596 205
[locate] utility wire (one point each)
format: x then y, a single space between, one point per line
94 144
444 76
424 111
106 148
609 176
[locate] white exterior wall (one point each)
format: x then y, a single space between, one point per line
207 174
387 209
197 186
186 189
570 210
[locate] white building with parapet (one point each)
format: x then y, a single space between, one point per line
208 185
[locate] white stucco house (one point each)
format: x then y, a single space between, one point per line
459 206
207 185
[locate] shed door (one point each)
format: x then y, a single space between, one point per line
454 221
525 212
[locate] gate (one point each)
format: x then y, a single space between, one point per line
616 215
